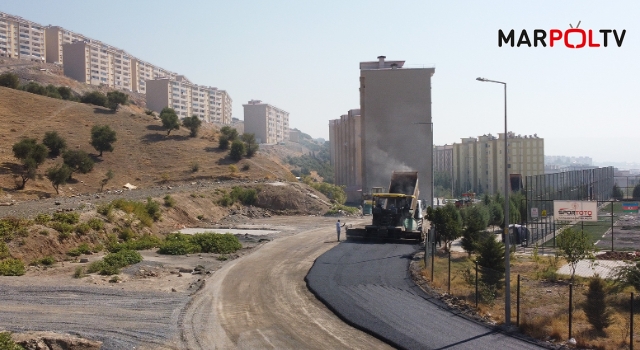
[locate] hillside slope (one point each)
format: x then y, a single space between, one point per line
143 154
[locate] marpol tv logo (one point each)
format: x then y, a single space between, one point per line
572 38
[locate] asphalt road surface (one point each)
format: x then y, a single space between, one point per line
262 302
370 287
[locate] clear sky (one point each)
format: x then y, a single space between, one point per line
302 56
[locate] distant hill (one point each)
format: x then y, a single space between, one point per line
143 155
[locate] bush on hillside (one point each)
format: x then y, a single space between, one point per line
12 267
10 80
113 262
95 98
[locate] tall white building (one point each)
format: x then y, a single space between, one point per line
20 38
208 103
270 124
56 37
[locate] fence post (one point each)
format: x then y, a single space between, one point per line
631 325
476 284
518 303
570 307
433 259
449 278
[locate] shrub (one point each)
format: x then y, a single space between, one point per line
42 219
136 208
10 225
238 150
126 234
148 112
153 209
95 98
82 228
47 261
105 209
79 272
233 169
140 243
44 232
169 201
67 218
226 200
331 191
178 244
113 262
195 167
246 167
6 343
96 224
4 250
79 250
54 142
11 267
595 307
10 80
64 235
216 242
61 227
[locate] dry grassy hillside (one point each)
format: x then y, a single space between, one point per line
143 156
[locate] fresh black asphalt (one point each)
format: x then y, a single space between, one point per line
369 286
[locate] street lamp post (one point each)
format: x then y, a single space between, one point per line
507 250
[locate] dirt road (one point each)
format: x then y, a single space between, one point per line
261 301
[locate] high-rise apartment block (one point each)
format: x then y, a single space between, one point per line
478 163
20 38
187 99
443 159
96 63
268 123
346 153
393 131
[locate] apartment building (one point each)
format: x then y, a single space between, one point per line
269 124
478 163
56 37
208 103
395 107
96 63
346 153
20 38
142 71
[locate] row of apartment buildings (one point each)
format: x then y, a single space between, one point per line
93 62
477 164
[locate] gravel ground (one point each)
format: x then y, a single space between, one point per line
88 201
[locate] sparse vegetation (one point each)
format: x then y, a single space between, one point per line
12 267
83 248
336 208
107 177
113 262
246 196
6 343
194 167
67 218
169 201
180 244
79 272
42 219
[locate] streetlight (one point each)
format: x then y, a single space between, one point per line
507 250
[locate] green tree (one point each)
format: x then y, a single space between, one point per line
58 175
78 160
476 219
496 214
54 142
108 176
10 80
237 150
227 135
102 138
573 246
250 144
447 221
116 98
170 120
636 192
95 98
192 123
65 92
595 307
491 260
32 155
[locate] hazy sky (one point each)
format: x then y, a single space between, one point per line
302 56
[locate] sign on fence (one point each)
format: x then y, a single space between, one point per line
575 210
630 207
534 212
